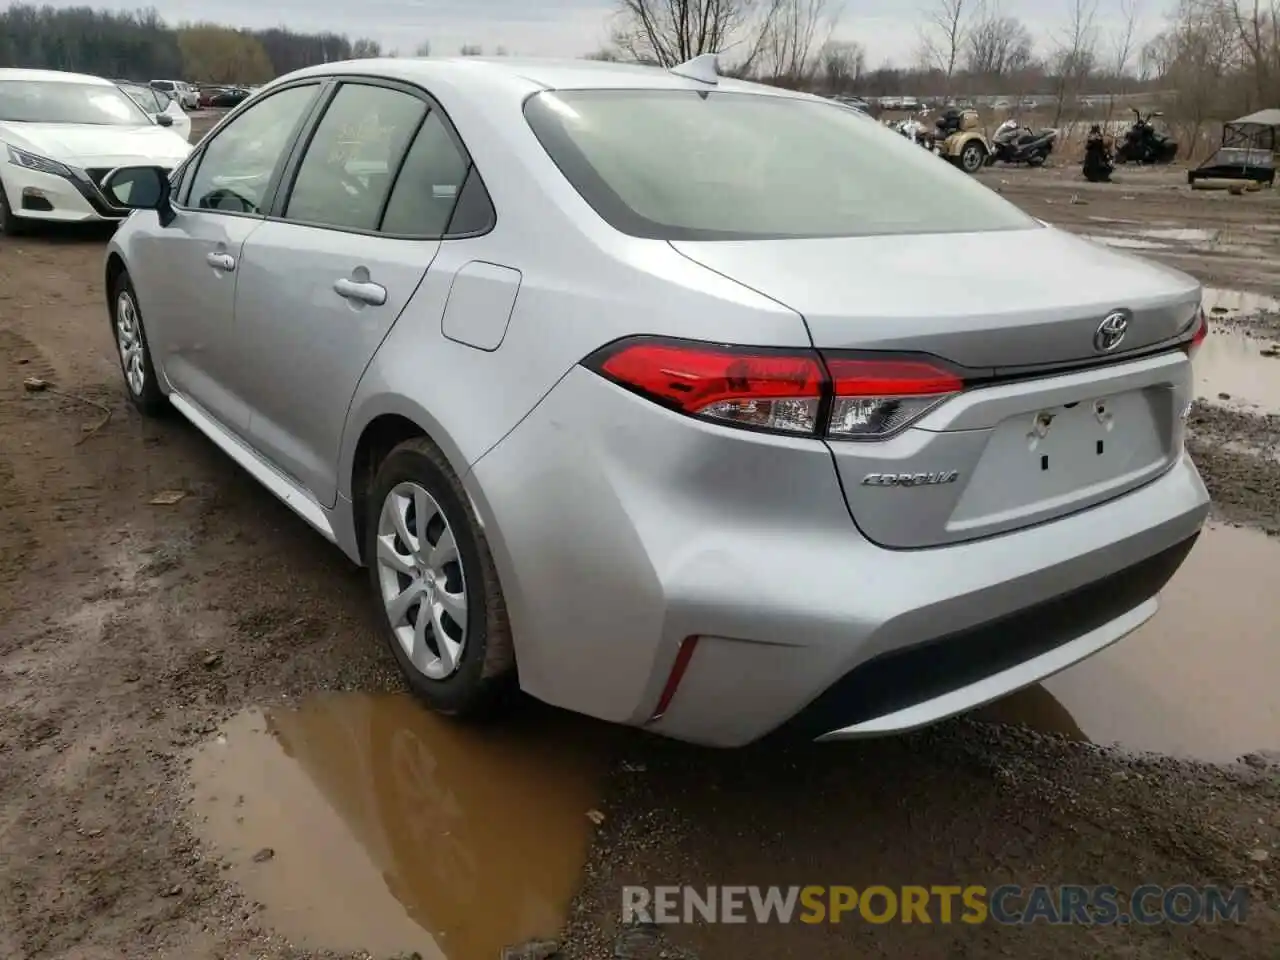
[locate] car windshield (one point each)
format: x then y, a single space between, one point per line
733 166
53 101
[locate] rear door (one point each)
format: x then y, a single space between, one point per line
324 279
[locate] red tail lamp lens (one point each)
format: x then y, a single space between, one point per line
754 388
782 391
1198 338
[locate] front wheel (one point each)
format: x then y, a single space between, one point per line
972 157
134 350
10 224
439 602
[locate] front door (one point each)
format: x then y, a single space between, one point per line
193 263
321 287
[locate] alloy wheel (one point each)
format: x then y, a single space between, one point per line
424 589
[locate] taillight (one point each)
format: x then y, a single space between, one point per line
841 396
1198 337
767 389
874 398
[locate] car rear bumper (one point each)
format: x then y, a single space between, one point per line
45 196
621 529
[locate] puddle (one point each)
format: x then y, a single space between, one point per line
1180 235
1238 303
391 830
1198 680
1125 243
1231 363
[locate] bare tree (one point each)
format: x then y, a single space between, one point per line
471 50
668 32
1122 52
794 36
842 64
1257 27
1075 54
943 34
423 49
995 45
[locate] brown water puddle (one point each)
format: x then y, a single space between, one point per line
1198 680
366 823
1231 363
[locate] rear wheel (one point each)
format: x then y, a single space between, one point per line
439 602
972 157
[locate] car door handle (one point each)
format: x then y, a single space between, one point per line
221 261
374 294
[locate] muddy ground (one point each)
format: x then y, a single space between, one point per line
204 752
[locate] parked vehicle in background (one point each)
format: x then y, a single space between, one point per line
1143 143
229 97
1014 142
160 107
1099 163
1001 104
205 94
707 461
958 137
60 134
177 91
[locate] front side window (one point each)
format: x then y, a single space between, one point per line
346 173
53 101
237 166
689 165
144 97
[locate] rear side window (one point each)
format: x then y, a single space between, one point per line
691 165
347 171
429 184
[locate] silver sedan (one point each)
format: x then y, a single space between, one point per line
668 398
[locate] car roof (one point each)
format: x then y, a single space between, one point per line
53 76
523 75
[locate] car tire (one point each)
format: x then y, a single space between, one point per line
11 225
972 157
474 673
134 351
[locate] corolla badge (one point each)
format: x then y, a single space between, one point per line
910 479
1110 332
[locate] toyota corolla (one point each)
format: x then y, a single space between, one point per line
667 398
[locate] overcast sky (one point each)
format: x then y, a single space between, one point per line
889 29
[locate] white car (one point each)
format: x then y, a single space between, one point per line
183 93
60 134
160 107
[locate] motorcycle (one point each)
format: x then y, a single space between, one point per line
916 130
1144 144
1014 143
1098 161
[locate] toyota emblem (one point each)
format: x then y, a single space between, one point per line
1110 332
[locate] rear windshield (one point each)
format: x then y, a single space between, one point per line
687 165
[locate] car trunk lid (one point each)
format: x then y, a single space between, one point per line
1050 423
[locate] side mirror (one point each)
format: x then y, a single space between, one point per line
164 120
137 188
